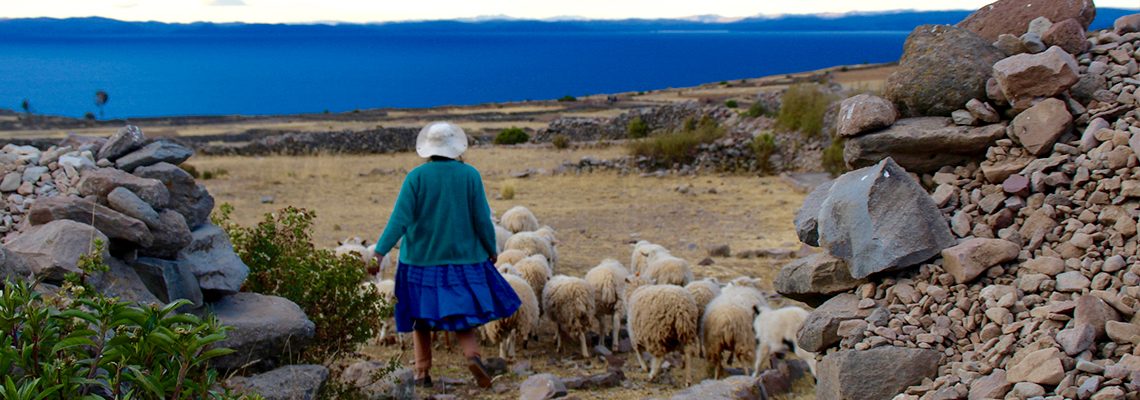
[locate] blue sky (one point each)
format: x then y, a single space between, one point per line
297 11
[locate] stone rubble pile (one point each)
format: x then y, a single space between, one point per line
991 250
153 218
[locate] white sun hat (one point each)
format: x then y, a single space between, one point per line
441 139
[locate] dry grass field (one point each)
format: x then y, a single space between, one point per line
596 215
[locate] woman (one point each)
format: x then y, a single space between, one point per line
446 280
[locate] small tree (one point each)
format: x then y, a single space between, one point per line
512 135
637 128
101 99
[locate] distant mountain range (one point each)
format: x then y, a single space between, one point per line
882 21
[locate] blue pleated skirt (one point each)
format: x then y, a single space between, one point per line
451 297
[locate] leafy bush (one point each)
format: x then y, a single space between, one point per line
758 109
677 147
731 104
507 192
80 344
567 98
512 135
832 158
284 262
216 173
637 128
802 109
763 147
560 141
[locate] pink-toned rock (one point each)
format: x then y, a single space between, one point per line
992 386
1039 127
1026 77
1068 35
972 257
1127 24
1094 312
942 68
1013 16
112 223
1016 184
982 111
864 113
1041 367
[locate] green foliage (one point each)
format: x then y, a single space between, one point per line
763 146
832 158
80 344
758 109
731 104
567 98
507 192
677 147
283 261
802 109
512 135
637 128
204 174
560 141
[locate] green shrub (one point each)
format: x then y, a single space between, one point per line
80 344
731 104
802 109
832 158
677 147
567 98
758 109
190 169
284 262
507 192
560 141
512 135
637 128
763 147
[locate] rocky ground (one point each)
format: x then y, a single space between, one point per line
1016 276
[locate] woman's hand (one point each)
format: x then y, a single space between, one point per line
494 259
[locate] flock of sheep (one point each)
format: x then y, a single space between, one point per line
664 308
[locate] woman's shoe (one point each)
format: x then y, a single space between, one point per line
482 378
424 382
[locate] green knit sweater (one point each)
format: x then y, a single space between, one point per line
442 215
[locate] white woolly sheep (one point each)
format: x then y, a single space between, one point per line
747 281
608 280
642 251
703 292
518 327
353 246
501 236
726 325
387 290
519 219
535 271
661 319
548 233
664 269
569 302
509 256
776 333
532 243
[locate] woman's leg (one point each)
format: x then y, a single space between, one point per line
469 342
421 342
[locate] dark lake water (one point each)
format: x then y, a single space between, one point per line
240 74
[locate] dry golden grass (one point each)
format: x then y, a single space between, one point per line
596 216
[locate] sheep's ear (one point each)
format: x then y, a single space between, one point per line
339 243
756 309
364 243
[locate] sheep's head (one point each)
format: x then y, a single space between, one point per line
633 282
355 241
508 269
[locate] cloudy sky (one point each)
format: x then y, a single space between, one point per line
395 10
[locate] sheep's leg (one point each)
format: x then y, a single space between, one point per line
558 341
688 366
383 331
617 327
640 361
655 367
585 349
763 351
511 346
809 358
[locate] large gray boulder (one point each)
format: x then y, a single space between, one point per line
52 250
266 330
815 278
1026 78
112 223
210 257
13 266
362 375
942 68
731 388
821 328
875 374
879 218
120 280
100 182
186 196
1013 16
128 138
291 382
923 145
154 153
127 202
169 280
171 235
807 217
864 113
